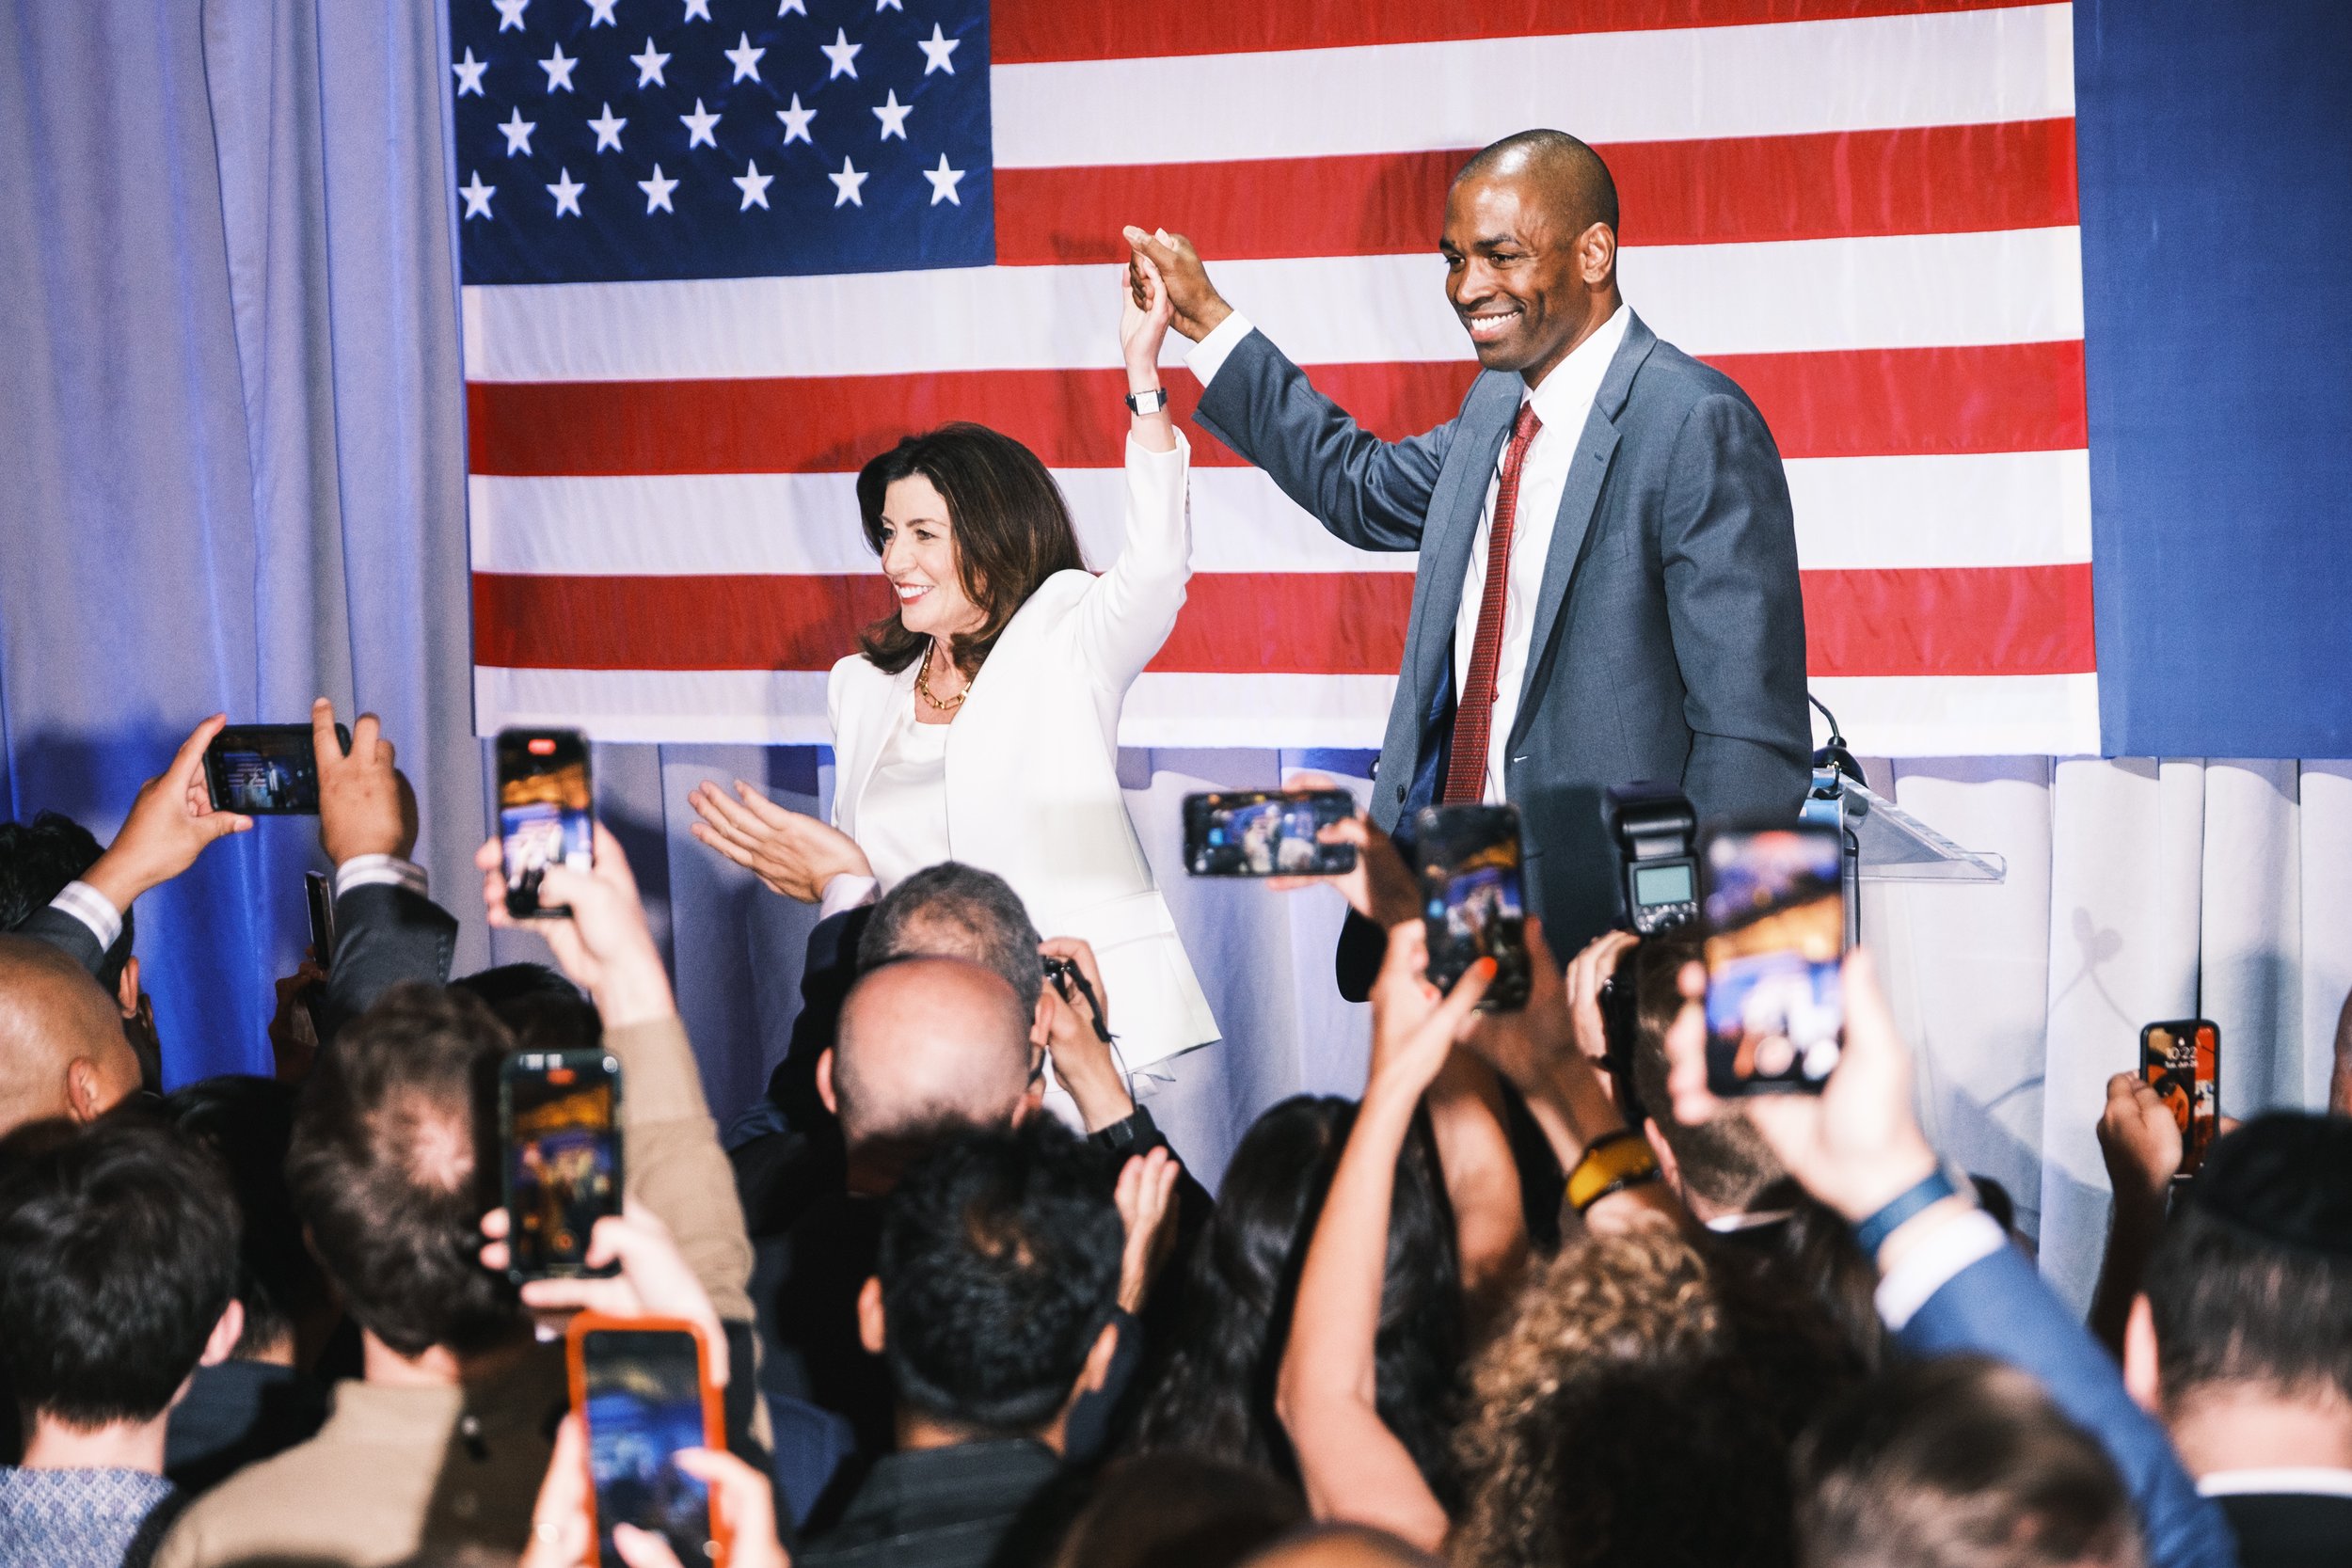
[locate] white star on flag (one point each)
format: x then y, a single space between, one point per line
608 129
469 74
796 123
566 193
695 9
845 186
787 8
944 181
881 6
477 197
698 127
936 50
650 65
600 13
746 59
517 134
658 192
511 13
559 70
753 185
892 116
842 53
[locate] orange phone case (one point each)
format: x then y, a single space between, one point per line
2180 1060
714 1409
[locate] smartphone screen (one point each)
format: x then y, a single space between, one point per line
2180 1060
643 1397
544 813
265 769
1468 857
1266 832
1775 911
558 1114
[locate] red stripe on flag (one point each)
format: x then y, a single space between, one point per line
1029 31
1941 180
2005 621
2003 397
1956 621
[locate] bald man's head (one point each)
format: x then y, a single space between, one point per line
924 1040
1341 1546
1567 177
62 1051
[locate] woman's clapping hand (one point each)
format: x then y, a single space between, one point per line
793 853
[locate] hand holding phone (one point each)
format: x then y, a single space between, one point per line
1773 902
604 946
545 805
1472 907
265 769
643 1389
2180 1060
560 1138
1266 832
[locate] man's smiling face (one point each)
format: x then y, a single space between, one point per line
1512 273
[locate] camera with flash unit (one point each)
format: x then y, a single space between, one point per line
1657 833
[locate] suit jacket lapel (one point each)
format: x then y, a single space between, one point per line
1586 475
873 727
1453 527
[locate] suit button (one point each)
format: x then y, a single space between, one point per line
1400 794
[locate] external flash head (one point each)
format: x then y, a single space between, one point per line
1656 829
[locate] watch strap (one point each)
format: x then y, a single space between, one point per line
1612 1162
1151 401
1871 1233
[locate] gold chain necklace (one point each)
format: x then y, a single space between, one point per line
923 686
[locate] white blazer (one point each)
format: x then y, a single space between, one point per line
1032 769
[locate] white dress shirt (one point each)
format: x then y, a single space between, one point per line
93 907
1564 401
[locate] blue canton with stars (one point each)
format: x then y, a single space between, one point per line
623 140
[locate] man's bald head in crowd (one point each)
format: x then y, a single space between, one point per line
1341 1546
1566 176
62 1051
924 1040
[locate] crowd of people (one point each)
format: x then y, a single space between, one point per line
1506 1308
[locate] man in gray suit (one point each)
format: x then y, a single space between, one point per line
1646 622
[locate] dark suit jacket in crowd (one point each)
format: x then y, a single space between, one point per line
1668 638
969 1506
2290 1529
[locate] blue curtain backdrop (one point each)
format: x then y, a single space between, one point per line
233 472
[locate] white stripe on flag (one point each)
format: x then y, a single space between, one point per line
1781 296
1994 509
1946 716
1957 68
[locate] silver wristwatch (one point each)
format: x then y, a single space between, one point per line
1150 401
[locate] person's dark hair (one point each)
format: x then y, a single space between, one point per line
1958 1463
249 1123
977 912
542 1010
1007 520
2251 1282
1214 1392
37 860
382 1169
1639 1408
1178 1510
118 1255
1575 173
999 1265
1726 1161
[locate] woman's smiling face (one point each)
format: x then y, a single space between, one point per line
918 556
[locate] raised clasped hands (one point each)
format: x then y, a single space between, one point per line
791 852
1195 307
1143 315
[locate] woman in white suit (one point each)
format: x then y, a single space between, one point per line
980 723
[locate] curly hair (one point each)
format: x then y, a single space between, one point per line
1640 1409
1214 1394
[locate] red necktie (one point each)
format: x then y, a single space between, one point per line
1474 715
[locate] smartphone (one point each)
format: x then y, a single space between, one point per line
559 1139
2180 1060
318 892
1774 911
265 769
1266 832
1468 860
642 1386
545 806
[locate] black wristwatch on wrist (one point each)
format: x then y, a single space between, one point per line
1150 401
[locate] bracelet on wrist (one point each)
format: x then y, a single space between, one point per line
1872 1232
1612 1162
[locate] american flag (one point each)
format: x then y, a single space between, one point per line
717 254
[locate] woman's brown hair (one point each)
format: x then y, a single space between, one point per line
1008 522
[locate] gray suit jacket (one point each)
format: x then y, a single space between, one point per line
1669 633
